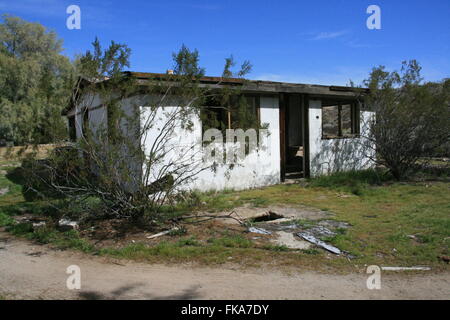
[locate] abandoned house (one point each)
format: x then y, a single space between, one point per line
312 130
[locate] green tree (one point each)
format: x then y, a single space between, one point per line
35 81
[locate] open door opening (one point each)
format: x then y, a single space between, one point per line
294 136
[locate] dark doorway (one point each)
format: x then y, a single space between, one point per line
294 136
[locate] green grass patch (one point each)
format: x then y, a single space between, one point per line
275 247
355 182
236 241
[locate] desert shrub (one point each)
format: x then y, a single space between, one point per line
47 178
412 118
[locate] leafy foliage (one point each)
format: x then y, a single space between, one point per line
412 118
35 81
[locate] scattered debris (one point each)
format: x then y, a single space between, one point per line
309 237
320 231
258 230
162 233
279 221
4 191
405 268
35 254
66 225
343 195
36 222
39 225
288 226
287 239
334 224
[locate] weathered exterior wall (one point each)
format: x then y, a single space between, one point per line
97 114
257 169
260 168
332 155
98 121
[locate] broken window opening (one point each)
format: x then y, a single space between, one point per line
242 112
340 119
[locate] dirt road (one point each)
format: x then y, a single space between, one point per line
33 271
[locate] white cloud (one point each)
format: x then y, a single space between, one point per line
329 35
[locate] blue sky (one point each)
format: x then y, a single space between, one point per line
325 42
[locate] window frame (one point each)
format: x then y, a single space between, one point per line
355 119
229 114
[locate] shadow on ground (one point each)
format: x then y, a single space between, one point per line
126 292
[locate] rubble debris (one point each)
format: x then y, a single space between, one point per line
288 226
36 222
309 237
334 224
66 225
35 254
156 235
38 225
320 231
405 268
4 191
287 239
258 230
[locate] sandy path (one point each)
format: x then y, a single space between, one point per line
32 271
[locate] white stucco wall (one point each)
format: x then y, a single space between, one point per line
332 155
259 168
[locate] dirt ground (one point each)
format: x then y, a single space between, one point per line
30 271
